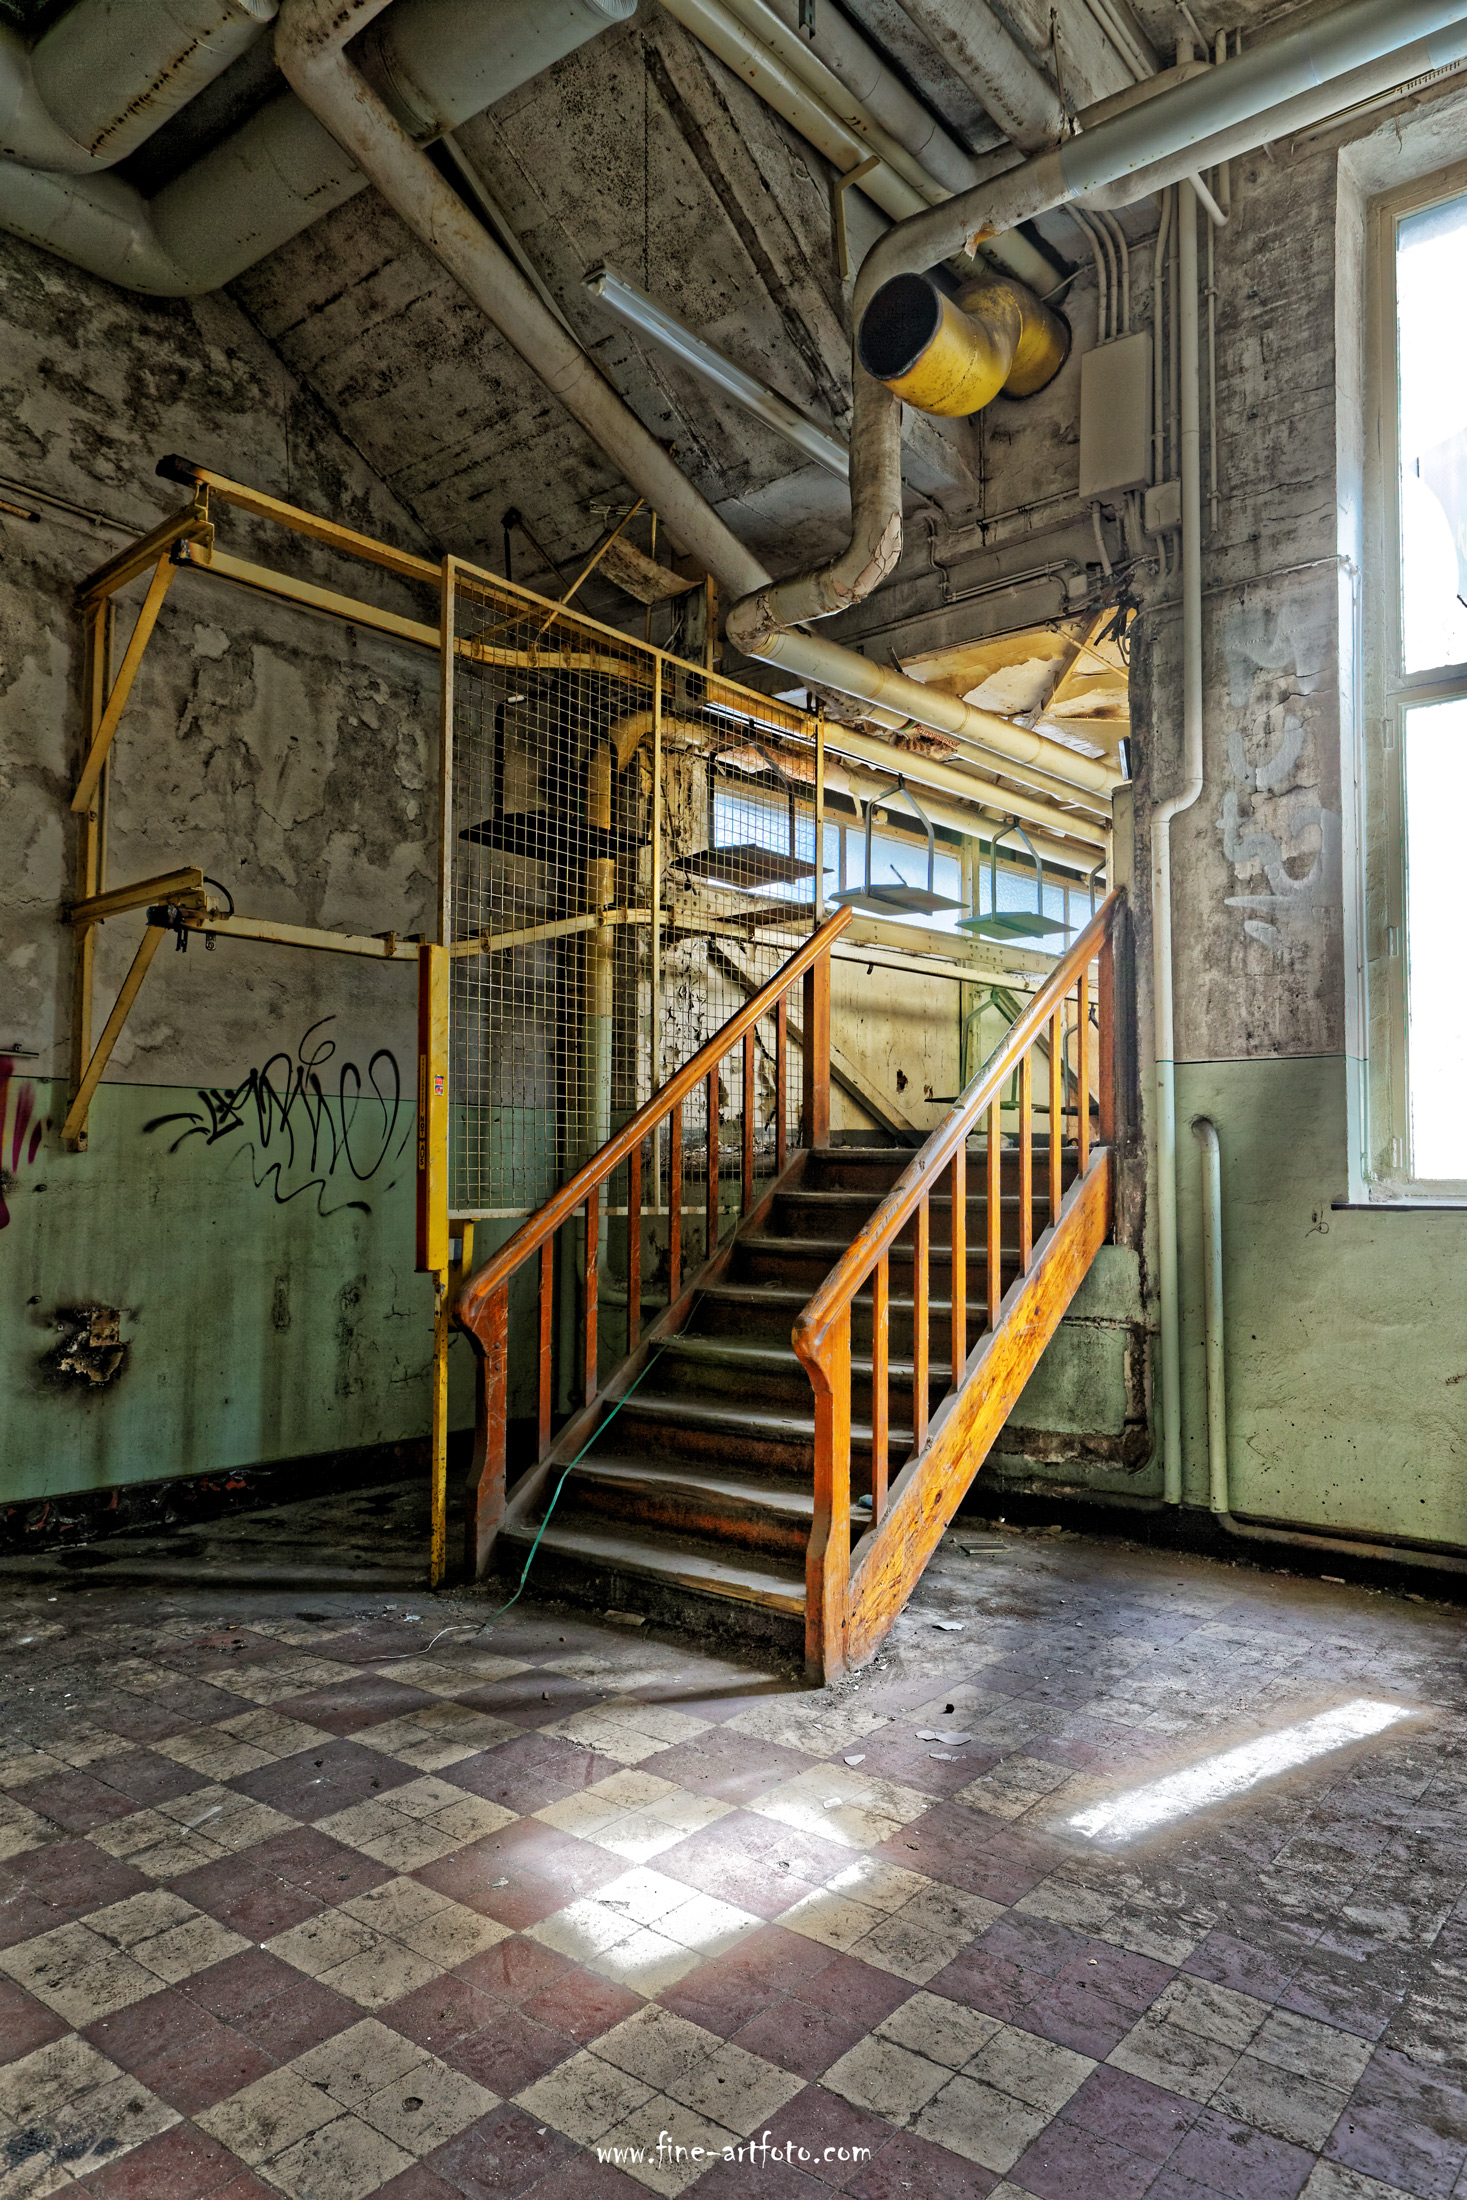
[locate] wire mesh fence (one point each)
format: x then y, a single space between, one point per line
629 854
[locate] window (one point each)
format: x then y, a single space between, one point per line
1416 746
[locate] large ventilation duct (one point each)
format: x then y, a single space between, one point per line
954 355
99 82
437 63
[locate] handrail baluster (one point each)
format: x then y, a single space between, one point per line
921 1249
1026 1162
781 1080
710 1243
957 1237
1082 1073
746 1194
1056 1112
675 1203
995 1205
634 1248
593 1281
880 1400
545 1384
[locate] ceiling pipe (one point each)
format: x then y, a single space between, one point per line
750 39
1224 111
945 778
310 44
994 66
280 171
102 79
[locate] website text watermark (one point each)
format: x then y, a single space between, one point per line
758 2152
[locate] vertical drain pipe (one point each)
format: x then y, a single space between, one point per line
1212 1302
1161 850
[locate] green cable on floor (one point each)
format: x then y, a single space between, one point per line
600 1430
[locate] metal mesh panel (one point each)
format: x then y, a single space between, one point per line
619 880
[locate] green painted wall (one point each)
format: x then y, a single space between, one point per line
268 1299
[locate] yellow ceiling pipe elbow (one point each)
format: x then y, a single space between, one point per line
954 356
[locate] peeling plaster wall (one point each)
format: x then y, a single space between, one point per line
255 1232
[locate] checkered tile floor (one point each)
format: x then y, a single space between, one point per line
315 1906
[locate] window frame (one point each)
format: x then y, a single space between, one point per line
1389 692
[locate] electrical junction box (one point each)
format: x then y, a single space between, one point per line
1162 510
1115 416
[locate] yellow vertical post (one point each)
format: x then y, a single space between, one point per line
91 852
819 819
433 1041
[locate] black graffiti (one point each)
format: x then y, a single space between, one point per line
291 1127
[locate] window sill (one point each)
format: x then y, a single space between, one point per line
1399 1206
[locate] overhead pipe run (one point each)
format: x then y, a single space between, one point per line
437 62
994 66
1223 111
102 79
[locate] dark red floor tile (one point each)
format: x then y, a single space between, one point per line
345 1707
535 1698
586 2179
181 2164
240 1983
1092 2009
72 1877
75 1802
848 1988
960 1848
23 1916
1233 2158
311 1860
755 1863
501 2156
25 2023
507 2050
773 2180
1405 2126
443 2011
145 1778
247 1899
582 2006
726 1992
542 1870
826 2127
323 1780
138 1719
195 1703
1066 2160
207 2063
295 2019
898 1755
515 1969
417 2183
1339 1991
799 2038
1144 2118
525 1774
737 1768
1228 1961
910 2168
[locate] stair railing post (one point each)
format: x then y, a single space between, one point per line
746 1189
957 1239
995 1210
1105 1002
593 1280
484 1491
815 1128
781 1075
546 1370
828 1557
880 1395
1026 1162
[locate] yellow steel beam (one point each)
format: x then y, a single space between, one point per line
591 920
191 524
327 532
76 1115
386 947
287 589
168 886
127 671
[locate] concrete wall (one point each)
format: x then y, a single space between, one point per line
245 1200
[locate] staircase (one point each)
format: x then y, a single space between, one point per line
781 1452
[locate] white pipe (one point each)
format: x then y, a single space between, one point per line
1161 857
280 171
995 67
652 320
749 39
946 778
310 48
103 78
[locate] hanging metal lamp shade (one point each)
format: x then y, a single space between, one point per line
1013 924
899 899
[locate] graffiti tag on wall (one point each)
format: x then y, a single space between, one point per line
1276 833
298 1138
21 1130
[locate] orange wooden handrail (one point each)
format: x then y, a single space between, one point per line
948 1140
543 1224
848 1609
